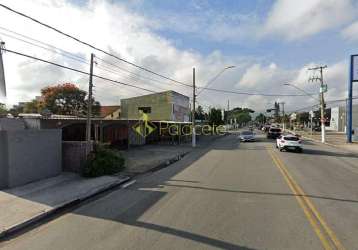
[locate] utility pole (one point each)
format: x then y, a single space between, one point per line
283 115
193 135
89 107
323 88
227 115
2 75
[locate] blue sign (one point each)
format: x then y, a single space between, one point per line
353 77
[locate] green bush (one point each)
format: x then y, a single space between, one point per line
103 162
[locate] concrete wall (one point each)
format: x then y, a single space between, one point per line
11 124
3 160
74 156
31 155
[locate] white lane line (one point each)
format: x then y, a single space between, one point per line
125 185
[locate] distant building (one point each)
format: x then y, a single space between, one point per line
110 112
338 120
163 106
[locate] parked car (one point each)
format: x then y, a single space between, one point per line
289 142
274 133
247 136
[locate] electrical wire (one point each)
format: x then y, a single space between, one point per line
133 64
114 82
73 56
48 46
64 54
88 44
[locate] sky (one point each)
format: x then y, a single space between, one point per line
270 42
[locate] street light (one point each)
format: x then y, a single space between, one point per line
298 88
215 77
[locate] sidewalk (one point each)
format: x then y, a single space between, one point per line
334 139
23 205
145 158
148 157
30 203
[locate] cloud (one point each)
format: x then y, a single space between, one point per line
270 79
257 75
294 20
287 19
107 25
351 32
122 32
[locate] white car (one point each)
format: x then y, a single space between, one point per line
289 142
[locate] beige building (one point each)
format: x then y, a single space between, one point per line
163 106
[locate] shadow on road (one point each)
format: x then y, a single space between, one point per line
260 193
128 206
328 153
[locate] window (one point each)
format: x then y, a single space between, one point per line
292 138
146 110
275 130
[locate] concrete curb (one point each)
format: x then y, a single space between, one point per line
46 213
49 212
168 162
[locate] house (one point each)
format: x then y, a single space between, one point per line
110 112
162 106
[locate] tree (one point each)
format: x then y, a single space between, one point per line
16 110
67 99
32 107
303 117
200 114
3 110
243 117
215 117
261 118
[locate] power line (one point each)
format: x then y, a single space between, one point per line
54 50
88 44
117 72
248 93
130 63
138 75
118 83
123 76
71 56
328 102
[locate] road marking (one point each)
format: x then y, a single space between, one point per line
312 214
125 185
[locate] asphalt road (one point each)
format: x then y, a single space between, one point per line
229 195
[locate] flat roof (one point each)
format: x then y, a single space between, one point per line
157 93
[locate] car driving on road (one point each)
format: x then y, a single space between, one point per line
247 136
289 142
274 133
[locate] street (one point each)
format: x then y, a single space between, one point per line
228 195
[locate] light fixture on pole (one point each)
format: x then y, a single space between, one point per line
214 78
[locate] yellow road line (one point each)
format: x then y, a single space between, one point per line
314 210
306 211
309 209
